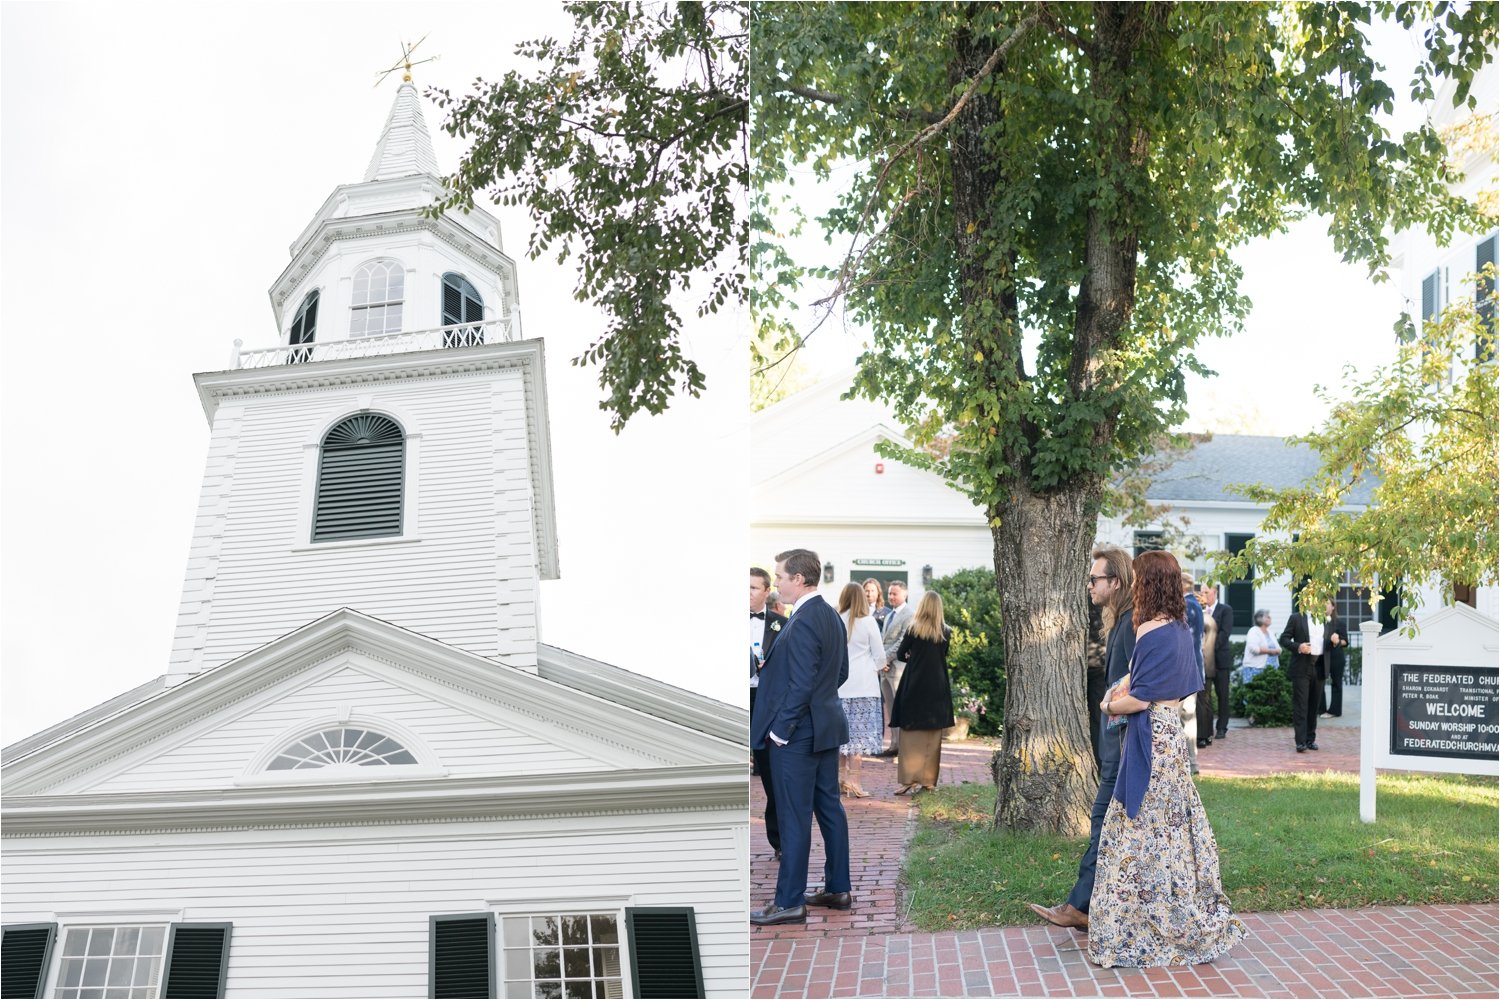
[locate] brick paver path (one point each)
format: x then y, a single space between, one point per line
1391 951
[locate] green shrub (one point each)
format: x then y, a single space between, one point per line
1354 665
976 663
1267 699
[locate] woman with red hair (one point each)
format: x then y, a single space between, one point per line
1157 896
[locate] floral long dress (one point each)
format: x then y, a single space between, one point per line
1158 899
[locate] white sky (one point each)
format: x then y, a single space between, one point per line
155 164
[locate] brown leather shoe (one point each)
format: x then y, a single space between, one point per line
1061 915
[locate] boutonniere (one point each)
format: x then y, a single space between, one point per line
776 626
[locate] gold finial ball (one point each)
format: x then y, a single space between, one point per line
406 77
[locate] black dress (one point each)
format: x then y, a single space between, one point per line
924 698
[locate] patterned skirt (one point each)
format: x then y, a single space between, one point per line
1157 895
866 725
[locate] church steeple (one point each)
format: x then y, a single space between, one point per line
405 146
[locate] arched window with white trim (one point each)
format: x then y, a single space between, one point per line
462 303
341 745
379 289
361 478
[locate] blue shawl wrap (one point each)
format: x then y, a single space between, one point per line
1164 669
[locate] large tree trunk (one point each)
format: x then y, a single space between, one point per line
1045 775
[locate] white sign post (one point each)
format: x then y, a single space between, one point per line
1430 703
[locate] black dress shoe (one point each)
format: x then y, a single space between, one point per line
1202 744
1302 748
774 914
1220 736
832 900
887 753
1312 746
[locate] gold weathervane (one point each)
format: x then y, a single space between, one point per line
405 63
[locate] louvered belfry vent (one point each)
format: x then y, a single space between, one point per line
197 958
463 956
24 950
360 479
664 951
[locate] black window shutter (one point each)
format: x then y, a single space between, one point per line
664 960
25 951
461 950
453 305
361 476
1484 297
197 960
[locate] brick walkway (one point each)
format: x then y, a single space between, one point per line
869 951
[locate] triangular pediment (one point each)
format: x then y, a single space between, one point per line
463 717
849 477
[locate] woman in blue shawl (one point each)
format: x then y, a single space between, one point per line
1157 895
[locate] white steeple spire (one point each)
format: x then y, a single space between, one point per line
405 147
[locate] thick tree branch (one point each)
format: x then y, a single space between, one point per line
853 259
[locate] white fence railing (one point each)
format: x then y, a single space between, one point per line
494 331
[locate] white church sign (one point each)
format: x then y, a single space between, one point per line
1431 701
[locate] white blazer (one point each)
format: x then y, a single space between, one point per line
866 657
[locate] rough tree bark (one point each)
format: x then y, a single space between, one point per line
1045 774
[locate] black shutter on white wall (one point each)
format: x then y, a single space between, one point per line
664 959
25 951
197 961
461 956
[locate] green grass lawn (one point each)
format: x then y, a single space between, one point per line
1285 842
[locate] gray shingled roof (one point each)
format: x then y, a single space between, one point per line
1210 467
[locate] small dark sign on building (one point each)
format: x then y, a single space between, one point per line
1445 711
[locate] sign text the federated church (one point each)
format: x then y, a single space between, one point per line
1445 711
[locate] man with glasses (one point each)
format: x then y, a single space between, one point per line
1109 583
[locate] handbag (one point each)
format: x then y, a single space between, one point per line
1119 687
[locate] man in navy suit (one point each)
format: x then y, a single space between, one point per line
800 722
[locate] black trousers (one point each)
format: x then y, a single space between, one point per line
1336 688
763 768
1305 691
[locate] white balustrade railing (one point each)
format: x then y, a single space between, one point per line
492 331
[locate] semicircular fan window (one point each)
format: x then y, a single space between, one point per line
344 745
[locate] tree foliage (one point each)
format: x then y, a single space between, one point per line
627 142
1426 432
1042 203
976 660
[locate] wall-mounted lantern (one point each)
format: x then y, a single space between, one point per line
828 572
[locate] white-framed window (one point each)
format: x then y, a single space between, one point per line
375 308
561 955
342 745
103 962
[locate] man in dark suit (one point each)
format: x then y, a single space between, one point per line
765 626
1223 616
1110 581
800 722
1306 634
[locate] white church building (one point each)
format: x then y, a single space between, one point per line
361 775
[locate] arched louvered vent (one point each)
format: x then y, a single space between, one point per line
360 474
364 747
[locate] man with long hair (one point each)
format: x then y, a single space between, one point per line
1109 582
799 720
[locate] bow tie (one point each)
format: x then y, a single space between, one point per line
758 614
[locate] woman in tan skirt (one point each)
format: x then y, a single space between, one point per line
923 705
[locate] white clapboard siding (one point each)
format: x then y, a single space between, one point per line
344 912
946 548
470 579
459 741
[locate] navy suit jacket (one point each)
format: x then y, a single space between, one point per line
799 685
